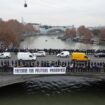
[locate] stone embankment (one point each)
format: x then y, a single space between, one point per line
8 79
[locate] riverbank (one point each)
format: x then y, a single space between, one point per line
54 91
10 79
93 40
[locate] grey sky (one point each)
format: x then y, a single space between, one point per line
55 12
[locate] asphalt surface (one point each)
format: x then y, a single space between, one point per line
55 58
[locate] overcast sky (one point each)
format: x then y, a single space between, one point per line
55 12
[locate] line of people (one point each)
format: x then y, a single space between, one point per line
55 51
71 66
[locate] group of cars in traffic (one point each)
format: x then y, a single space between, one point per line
29 55
23 55
76 56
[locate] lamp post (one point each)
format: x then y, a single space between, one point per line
25 4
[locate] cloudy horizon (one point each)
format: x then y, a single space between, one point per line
58 12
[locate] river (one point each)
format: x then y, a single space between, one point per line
41 42
55 90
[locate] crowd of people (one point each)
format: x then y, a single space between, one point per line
56 51
8 65
71 66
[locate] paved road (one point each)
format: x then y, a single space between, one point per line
55 58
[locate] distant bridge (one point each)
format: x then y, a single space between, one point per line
47 31
43 31
53 29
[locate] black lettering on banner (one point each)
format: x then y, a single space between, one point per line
41 70
20 70
57 70
31 70
36 70
17 70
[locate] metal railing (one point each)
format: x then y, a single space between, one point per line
71 67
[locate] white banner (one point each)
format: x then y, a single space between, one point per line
39 70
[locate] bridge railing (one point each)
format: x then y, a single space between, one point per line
71 67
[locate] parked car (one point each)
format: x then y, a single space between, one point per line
25 56
63 54
99 54
40 53
5 55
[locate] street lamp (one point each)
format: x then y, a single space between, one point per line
25 4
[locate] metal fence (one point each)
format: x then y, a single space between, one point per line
97 67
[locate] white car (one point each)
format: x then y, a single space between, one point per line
25 56
40 53
5 55
63 54
99 54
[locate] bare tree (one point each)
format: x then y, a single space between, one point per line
81 30
70 33
102 36
85 34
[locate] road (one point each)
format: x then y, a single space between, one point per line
55 58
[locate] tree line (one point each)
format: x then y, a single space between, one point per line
11 32
86 34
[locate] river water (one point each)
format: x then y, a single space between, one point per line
55 90
53 42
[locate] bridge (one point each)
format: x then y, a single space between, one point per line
54 29
94 69
47 31
8 78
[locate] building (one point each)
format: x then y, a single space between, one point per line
36 26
